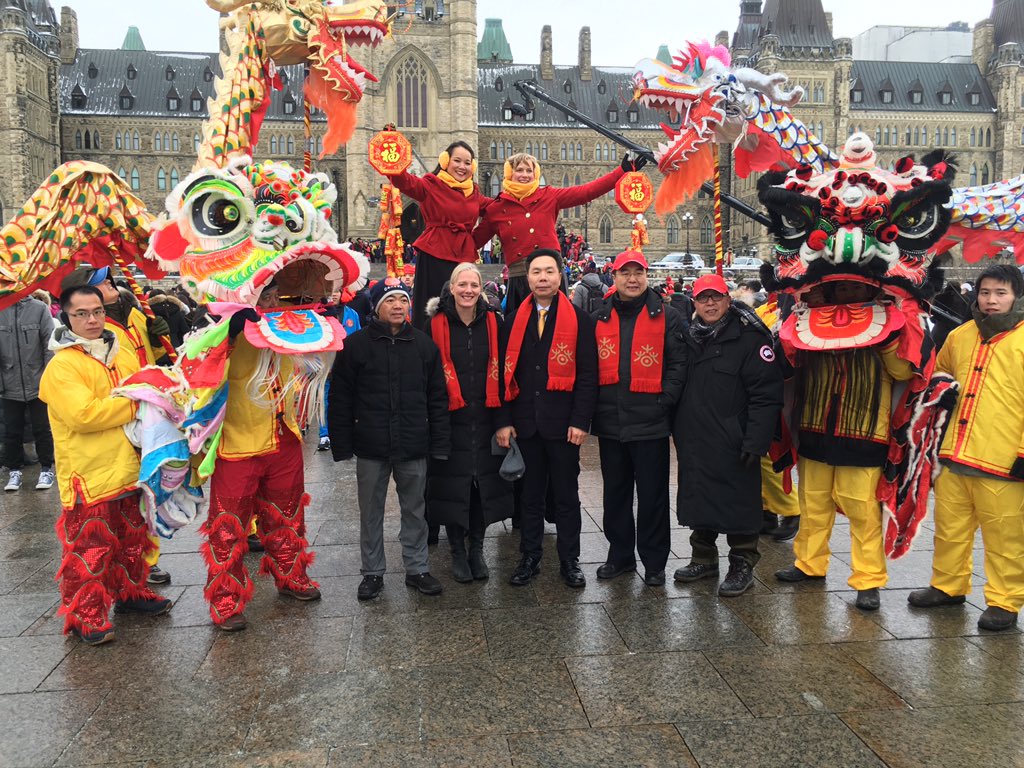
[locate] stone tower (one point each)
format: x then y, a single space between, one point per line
428 88
29 112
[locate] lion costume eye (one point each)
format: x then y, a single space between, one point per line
218 209
918 222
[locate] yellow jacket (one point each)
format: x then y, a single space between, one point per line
986 430
94 459
250 426
134 336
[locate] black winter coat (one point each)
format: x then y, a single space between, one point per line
632 416
387 399
537 410
730 404
450 482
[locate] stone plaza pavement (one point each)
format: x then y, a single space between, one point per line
487 674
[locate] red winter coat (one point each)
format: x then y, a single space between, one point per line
448 214
525 226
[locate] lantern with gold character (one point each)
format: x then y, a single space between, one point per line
634 193
390 152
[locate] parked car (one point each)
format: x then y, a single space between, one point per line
679 260
747 263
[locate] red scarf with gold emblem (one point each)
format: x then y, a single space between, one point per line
645 358
561 359
441 334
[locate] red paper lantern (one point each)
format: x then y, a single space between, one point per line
390 153
634 193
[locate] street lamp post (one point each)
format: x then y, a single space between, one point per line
687 217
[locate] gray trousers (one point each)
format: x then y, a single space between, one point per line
410 481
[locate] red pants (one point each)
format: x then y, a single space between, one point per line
104 547
269 487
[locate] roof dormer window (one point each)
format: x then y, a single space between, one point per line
602 87
94 71
916 97
126 99
499 85
856 96
196 100
208 75
78 98
567 86
132 72
289 104
169 73
173 100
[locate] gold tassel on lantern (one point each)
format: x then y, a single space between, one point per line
390 229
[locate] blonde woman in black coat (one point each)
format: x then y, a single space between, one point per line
466 493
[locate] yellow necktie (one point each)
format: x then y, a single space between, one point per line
542 316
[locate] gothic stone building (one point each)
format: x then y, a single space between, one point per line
139 111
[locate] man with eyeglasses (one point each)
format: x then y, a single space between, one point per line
724 425
101 529
137 334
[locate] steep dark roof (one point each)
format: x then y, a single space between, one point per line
149 88
584 95
929 78
797 23
1008 19
749 28
42 22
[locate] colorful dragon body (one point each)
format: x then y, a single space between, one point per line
751 111
713 102
264 35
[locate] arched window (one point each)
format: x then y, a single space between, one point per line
974 137
508 149
136 142
78 139
917 136
196 141
988 137
878 136
127 140
973 177
565 180
544 151
117 140
135 179
494 151
158 144
122 173
95 139
885 140
707 235
572 151
615 152
597 151
501 151
88 140
411 93
174 177
984 174
273 145
565 152
952 136
605 229
945 136
495 186
672 229
579 151
938 135
291 145
175 145
161 179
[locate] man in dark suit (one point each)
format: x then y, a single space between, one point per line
550 393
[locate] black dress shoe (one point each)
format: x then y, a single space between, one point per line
610 570
788 526
572 574
655 578
794 574
930 597
523 574
996 619
370 587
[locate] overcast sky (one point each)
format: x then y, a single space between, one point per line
618 37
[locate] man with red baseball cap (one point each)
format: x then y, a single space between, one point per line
641 369
725 423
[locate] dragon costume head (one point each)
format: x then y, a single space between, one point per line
711 102
854 244
231 232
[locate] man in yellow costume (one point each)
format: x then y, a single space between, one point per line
983 455
137 334
101 530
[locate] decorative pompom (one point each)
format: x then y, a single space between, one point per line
888 233
804 172
817 240
938 171
905 164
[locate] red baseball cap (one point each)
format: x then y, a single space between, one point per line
709 283
629 257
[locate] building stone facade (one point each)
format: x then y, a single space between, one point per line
441 79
